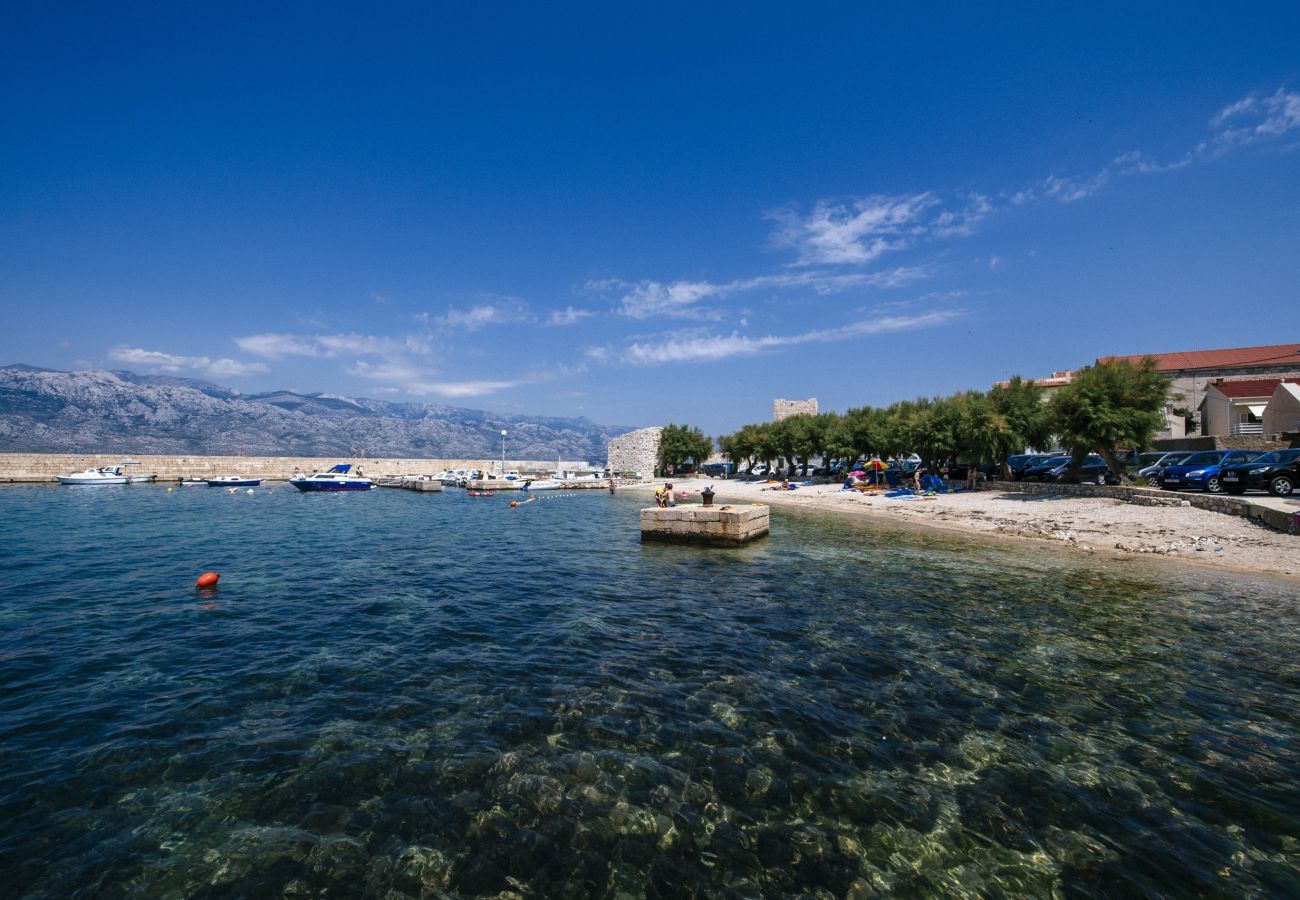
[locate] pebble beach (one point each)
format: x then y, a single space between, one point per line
1104 527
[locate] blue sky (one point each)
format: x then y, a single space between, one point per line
647 213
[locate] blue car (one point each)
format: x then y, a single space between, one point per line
1201 470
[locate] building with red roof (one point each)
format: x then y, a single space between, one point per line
1237 407
1194 371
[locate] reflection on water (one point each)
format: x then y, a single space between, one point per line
396 694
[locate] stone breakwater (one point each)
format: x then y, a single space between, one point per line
44 467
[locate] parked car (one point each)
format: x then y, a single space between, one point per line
1166 459
1140 461
955 471
1201 470
1273 472
717 470
1026 462
1092 470
1035 471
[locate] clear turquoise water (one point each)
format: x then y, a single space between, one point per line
397 694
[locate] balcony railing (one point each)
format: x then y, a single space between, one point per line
1247 428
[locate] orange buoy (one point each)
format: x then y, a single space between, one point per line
514 503
208 579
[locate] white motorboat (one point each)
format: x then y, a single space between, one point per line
336 479
96 475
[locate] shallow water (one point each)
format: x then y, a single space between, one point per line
421 694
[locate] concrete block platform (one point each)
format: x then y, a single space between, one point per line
711 525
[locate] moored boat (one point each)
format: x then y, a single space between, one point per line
335 479
96 475
233 481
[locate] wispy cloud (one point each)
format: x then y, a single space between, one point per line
274 346
568 316
462 389
171 362
854 231
683 299
708 348
1252 120
507 312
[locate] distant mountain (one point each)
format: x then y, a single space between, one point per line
47 411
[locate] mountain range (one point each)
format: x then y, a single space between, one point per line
48 411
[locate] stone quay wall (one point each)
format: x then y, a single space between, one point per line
636 451
715 525
1225 442
1220 503
38 467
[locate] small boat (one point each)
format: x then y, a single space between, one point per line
335 479
193 482
479 494
233 481
96 475
546 484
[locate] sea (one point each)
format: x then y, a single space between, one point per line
395 694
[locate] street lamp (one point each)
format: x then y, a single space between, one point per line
503 453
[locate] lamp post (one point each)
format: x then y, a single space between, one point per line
503 453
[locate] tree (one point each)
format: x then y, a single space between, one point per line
1025 420
837 438
679 444
1111 405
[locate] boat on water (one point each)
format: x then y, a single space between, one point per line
479 494
334 479
544 484
233 481
96 475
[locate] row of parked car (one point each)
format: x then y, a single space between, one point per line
1213 471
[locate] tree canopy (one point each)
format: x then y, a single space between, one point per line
1112 405
679 444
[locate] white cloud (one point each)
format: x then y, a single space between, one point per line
462 389
1255 118
854 231
681 299
274 346
476 317
171 362
568 316
710 348
235 369
1250 120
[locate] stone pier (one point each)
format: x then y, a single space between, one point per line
715 525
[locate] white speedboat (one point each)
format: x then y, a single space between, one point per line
336 479
96 475
544 484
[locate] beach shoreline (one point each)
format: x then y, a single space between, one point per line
1099 527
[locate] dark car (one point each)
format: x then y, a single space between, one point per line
1136 463
1201 470
1092 470
1034 471
1018 464
958 471
1273 472
717 470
